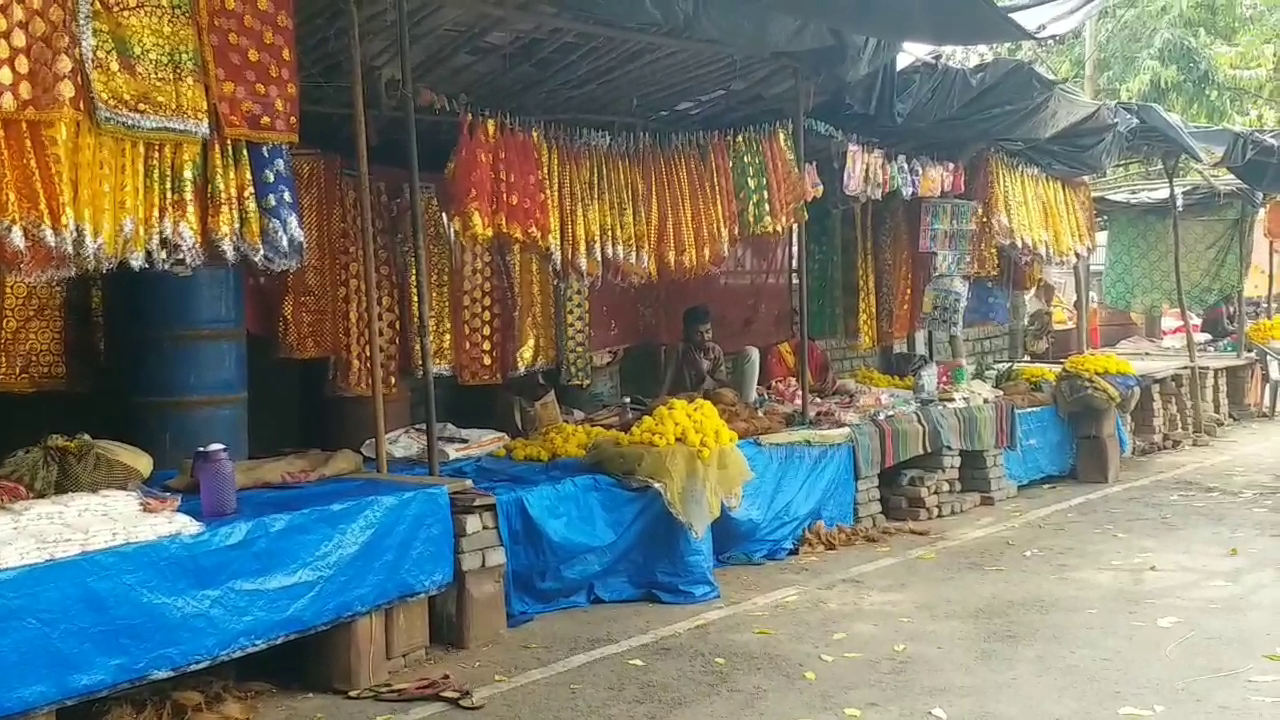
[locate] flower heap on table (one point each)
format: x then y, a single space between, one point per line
1036 376
1098 364
1264 332
695 424
874 378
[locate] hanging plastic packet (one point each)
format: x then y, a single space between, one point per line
853 172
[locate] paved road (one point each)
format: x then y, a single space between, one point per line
1071 602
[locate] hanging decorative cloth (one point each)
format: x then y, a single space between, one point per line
575 351
310 315
479 321
33 336
531 307
352 370
867 326
282 243
142 61
41 99
232 220
439 283
251 62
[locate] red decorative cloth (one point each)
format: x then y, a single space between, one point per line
252 63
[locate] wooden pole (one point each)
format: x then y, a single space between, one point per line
421 259
1082 303
1271 278
1197 410
1242 318
366 237
802 255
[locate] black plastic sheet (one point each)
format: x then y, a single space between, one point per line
1252 156
956 112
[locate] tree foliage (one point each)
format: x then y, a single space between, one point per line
1209 61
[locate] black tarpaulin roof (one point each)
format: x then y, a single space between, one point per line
1253 156
1009 104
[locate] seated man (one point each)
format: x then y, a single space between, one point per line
697 364
781 361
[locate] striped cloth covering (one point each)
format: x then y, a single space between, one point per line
866 449
976 427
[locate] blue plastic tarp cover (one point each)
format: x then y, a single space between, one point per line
291 561
794 486
575 537
1045 447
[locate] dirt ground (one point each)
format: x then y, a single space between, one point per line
1158 595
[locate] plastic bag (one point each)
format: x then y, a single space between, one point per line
693 489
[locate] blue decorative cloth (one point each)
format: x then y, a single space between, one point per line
283 243
988 304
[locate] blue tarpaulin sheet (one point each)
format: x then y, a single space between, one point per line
1045 446
575 537
291 561
794 486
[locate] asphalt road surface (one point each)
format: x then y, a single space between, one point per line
1158 595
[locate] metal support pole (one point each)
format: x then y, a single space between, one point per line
1197 409
1271 278
421 260
366 237
802 256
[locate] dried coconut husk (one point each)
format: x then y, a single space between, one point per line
819 538
197 699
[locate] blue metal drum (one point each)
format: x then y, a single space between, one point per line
175 352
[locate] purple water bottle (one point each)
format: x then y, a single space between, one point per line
215 471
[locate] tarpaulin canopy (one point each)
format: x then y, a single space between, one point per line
955 111
1252 156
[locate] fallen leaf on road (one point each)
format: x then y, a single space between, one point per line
1139 624
883 548
384 717
904 620
1119 535
500 678
1264 699
852 655
763 631
1092 612
810 675
1015 514
1273 658
1117 562
826 658
637 662
927 555
939 713
839 636
1135 712
1168 622
852 712
758 614
718 661
994 567
575 687
790 598
530 646
899 648
1233 552
1264 678
1010 542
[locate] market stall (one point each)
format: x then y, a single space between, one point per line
291 562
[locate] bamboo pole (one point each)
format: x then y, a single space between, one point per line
1271 278
1082 303
421 260
366 237
1242 317
1197 409
802 254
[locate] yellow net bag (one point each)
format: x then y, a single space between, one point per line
694 489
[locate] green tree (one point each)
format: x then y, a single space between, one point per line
1209 61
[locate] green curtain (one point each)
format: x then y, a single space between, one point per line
823 267
1139 271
